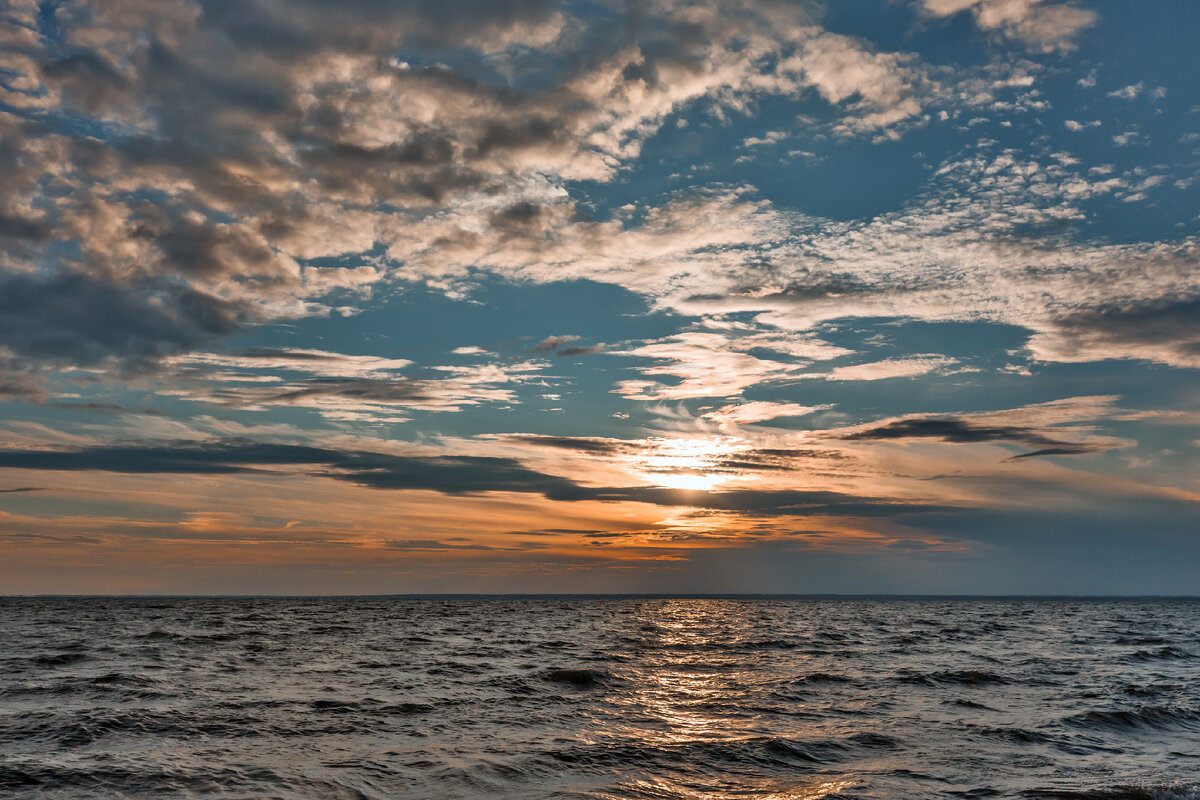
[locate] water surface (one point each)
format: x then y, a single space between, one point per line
599 698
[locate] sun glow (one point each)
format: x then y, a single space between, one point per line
689 464
690 481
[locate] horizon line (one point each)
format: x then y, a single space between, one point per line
606 595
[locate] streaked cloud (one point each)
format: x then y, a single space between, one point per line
549 288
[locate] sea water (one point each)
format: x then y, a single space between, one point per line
599 698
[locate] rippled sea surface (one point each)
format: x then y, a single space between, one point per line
599 698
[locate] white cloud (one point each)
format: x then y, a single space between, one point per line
1129 92
760 411
890 368
1044 26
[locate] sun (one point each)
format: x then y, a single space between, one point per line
688 464
690 481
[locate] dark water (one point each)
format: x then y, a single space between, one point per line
599 698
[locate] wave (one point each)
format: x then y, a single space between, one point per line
583 678
704 755
58 659
1162 791
1168 652
1140 717
591 700
1141 640
964 703
130 781
369 705
966 677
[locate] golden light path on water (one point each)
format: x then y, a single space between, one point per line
816 792
682 701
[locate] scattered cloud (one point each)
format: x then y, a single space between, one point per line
891 368
760 411
553 343
1041 25
1129 92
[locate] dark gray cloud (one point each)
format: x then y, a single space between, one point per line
768 502
959 431
14 227
17 383
72 318
447 474
1165 329
579 444
1064 450
454 475
567 352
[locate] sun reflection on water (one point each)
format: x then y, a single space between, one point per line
680 699
813 792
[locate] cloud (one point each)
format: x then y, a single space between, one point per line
890 368
279 141
770 137
1053 428
367 397
305 360
447 474
718 364
592 445
1129 92
587 350
191 163
74 319
1162 330
1043 26
958 431
18 380
760 411
655 458
962 251
341 386
433 544
553 342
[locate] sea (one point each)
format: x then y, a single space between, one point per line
763 698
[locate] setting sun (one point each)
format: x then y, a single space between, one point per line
691 481
691 464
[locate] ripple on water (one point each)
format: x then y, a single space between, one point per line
598 698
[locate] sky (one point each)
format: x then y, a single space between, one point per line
870 296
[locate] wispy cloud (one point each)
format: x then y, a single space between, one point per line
1042 25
